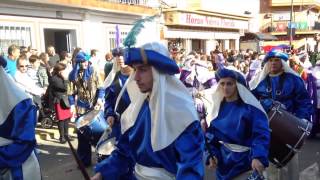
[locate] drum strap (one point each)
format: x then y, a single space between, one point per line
278 91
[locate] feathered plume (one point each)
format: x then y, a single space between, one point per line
131 38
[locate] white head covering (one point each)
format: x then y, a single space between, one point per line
115 68
171 106
260 76
216 96
10 95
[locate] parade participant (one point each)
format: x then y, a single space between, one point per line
114 83
278 84
161 136
196 76
17 132
237 120
313 87
85 86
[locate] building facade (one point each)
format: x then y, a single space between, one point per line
204 24
275 20
66 24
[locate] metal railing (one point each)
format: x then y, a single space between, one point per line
130 2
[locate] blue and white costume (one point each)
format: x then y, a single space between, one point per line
238 131
17 132
197 77
161 135
287 88
113 85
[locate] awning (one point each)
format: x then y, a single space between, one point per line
193 34
258 36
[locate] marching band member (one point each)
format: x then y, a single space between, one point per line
161 135
238 135
86 84
197 77
278 83
17 131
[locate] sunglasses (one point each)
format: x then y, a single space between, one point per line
23 66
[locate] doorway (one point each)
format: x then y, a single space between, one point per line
62 40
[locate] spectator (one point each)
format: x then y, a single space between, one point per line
108 65
34 69
13 54
58 88
53 57
25 82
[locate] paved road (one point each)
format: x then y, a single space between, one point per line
57 162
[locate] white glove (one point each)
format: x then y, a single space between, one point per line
73 110
99 105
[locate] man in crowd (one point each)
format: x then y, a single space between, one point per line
278 83
53 57
11 59
160 104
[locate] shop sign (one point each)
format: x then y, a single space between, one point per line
209 21
282 26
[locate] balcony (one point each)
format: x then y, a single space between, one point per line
133 2
276 3
123 6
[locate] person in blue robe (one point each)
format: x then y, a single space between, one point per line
238 135
197 77
86 86
278 84
161 134
17 131
113 84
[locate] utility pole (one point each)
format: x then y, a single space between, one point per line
290 30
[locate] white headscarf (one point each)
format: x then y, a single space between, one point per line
216 97
171 106
115 68
260 76
10 95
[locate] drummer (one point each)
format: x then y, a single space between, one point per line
278 83
114 83
236 118
86 86
159 102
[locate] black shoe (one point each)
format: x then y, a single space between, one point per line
62 140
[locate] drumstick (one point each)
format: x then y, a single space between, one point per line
80 164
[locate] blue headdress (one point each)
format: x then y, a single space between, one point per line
276 54
80 57
227 72
152 53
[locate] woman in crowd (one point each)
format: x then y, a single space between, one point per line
58 86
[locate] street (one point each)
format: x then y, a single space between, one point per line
57 162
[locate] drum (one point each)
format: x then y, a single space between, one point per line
287 135
107 141
92 125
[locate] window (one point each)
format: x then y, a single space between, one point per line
18 35
112 39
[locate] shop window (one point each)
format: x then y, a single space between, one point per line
113 41
18 35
